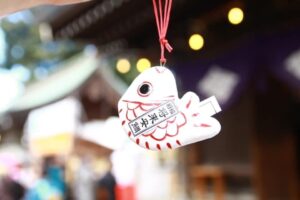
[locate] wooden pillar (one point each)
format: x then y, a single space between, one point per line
275 167
274 146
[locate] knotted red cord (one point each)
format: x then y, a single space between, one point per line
162 17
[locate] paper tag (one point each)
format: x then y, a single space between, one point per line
209 106
153 118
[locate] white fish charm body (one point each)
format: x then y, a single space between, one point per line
155 118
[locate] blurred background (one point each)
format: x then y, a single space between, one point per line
64 68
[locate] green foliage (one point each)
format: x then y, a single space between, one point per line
25 47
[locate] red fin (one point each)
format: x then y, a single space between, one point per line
202 125
205 125
158 147
195 114
147 145
169 146
189 103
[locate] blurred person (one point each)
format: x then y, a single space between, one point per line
51 185
7 7
84 181
10 189
106 186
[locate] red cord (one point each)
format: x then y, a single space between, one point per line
162 17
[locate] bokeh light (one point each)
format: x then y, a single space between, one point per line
123 66
143 64
196 42
235 16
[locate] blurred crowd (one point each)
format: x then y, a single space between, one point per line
48 182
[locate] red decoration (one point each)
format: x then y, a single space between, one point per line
162 17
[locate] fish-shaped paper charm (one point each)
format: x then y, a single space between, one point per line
155 118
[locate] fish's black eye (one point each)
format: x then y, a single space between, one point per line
145 89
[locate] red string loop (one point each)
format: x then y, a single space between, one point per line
162 17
